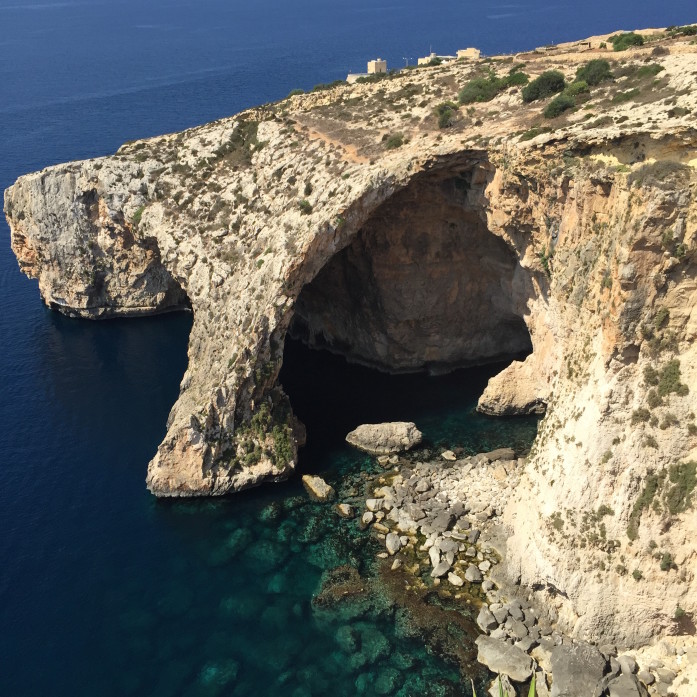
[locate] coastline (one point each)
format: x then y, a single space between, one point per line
438 517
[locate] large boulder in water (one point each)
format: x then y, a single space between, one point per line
317 488
386 438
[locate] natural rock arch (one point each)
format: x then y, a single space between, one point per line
422 285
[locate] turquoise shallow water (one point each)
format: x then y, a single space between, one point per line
229 603
103 590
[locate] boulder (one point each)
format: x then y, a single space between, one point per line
441 569
449 455
646 677
393 543
442 522
386 438
415 512
344 510
317 488
454 579
501 685
486 620
500 657
626 685
627 664
473 574
577 669
500 454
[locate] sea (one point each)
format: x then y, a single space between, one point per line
105 591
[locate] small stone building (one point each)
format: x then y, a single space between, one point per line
377 66
469 53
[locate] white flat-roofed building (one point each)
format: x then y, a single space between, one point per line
377 66
469 53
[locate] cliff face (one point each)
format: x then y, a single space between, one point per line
460 245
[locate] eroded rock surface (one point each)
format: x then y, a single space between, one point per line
571 240
386 438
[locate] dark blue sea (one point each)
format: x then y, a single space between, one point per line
105 591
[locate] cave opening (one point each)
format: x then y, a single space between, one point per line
420 309
423 285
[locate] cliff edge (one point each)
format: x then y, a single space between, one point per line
406 232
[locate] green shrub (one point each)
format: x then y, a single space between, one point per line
295 92
650 442
516 78
328 85
576 88
534 132
622 97
549 83
137 215
667 562
653 399
305 207
594 72
679 613
637 575
650 375
481 89
649 70
283 448
683 478
640 415
669 420
373 77
446 114
558 106
396 140
662 315
484 89
669 380
651 486
621 42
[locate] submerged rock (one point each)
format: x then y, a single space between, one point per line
386 438
318 489
345 510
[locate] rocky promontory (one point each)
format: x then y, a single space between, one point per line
436 218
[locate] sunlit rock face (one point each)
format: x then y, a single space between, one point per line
505 230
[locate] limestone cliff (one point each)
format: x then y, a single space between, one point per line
351 219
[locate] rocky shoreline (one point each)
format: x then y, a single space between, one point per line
438 516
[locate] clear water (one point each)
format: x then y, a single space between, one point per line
103 590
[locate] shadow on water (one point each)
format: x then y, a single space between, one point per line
331 397
133 596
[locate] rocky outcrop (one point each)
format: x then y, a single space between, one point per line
318 489
385 439
375 233
500 657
